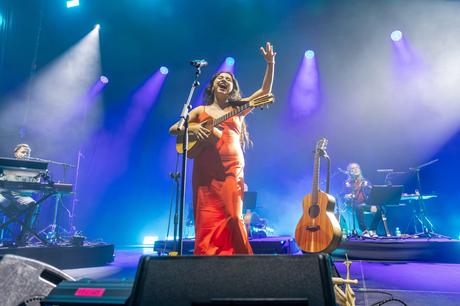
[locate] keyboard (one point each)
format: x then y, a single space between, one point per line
35 187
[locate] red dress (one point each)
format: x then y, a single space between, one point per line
218 184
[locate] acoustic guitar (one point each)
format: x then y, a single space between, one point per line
195 146
318 229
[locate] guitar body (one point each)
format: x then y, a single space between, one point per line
318 229
195 146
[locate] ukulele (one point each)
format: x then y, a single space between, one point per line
318 229
195 146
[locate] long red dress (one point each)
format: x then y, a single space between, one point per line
218 185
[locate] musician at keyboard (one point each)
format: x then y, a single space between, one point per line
10 200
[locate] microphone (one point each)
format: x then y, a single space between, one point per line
199 63
385 170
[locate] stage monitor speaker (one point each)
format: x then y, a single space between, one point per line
89 293
234 280
25 281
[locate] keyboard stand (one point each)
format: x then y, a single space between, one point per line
14 217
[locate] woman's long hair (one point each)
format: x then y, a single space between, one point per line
235 95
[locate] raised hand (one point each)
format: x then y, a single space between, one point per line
268 53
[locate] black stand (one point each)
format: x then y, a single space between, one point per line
427 226
382 195
175 176
54 234
183 127
53 231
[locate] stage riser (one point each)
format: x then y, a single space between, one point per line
381 249
279 245
67 257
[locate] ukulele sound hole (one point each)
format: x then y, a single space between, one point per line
313 211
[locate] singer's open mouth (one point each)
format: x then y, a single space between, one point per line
222 85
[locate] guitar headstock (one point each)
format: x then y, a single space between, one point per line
262 100
321 145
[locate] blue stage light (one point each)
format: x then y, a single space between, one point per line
150 240
104 79
230 61
164 70
309 54
396 35
1 20
72 3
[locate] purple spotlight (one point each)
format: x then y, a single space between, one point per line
104 79
309 54
396 35
164 70
305 93
230 61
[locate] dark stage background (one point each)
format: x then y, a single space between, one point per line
374 109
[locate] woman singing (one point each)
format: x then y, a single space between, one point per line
218 171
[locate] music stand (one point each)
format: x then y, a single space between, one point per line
382 195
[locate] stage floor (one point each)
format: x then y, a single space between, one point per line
415 283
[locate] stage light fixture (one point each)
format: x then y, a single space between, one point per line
104 79
230 61
309 54
150 240
396 35
72 3
164 70
97 26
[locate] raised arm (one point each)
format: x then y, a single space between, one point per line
269 56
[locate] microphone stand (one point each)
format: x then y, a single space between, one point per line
427 226
175 176
183 127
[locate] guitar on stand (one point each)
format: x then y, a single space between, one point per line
318 229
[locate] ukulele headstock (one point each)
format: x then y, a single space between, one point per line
262 101
321 145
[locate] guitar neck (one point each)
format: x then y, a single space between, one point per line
315 185
238 110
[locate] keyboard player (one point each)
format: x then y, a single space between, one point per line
18 200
